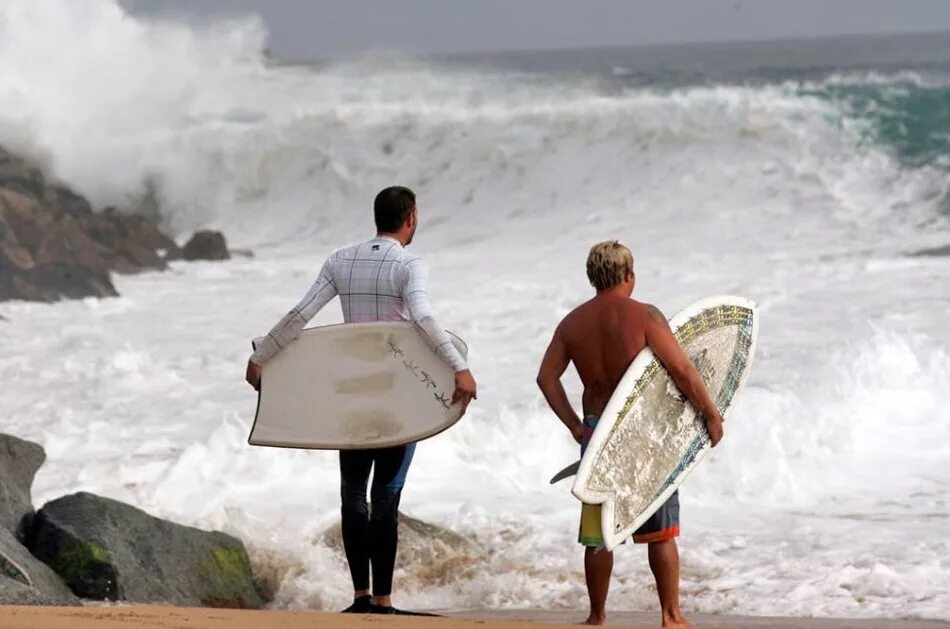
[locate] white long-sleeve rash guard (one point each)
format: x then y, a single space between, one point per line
376 280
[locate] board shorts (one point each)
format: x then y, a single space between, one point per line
662 525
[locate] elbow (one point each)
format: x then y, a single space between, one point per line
543 381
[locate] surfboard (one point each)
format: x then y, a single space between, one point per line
355 386
649 437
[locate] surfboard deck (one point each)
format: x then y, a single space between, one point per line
355 386
649 437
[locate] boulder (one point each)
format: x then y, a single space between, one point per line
934 252
131 243
206 245
26 581
107 550
45 256
427 552
19 462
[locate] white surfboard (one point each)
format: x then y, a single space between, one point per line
355 386
649 437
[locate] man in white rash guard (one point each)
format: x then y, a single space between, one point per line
377 280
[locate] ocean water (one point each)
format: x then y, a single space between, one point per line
804 175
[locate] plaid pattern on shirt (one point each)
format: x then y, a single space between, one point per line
376 280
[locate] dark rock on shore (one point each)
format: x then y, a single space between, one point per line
19 462
934 252
18 174
130 242
53 245
206 245
24 580
106 550
45 255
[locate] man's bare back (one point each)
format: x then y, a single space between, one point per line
602 337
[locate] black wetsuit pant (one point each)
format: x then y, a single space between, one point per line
370 534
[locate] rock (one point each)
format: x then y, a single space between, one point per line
53 245
428 553
206 245
24 580
19 462
45 256
170 255
107 550
131 243
70 202
934 252
18 174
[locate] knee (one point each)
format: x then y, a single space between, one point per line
353 501
385 506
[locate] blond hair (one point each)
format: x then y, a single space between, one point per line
608 263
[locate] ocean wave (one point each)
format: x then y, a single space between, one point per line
221 139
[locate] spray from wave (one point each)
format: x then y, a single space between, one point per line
269 152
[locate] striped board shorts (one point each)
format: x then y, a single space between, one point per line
662 525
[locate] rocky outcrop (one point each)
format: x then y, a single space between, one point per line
130 242
24 580
19 462
45 255
53 245
206 245
106 550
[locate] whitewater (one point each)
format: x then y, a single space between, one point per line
830 494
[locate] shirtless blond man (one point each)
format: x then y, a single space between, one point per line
601 337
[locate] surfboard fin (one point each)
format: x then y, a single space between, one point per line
567 472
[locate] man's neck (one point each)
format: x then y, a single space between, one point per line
398 238
613 291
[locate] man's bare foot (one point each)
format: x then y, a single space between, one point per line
676 620
594 620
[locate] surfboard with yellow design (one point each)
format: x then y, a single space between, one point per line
649 437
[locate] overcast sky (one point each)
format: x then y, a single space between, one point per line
310 29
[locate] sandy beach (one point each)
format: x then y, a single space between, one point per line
203 618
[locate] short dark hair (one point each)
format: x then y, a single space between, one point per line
392 207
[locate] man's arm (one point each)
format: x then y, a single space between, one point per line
416 297
677 363
553 365
289 327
